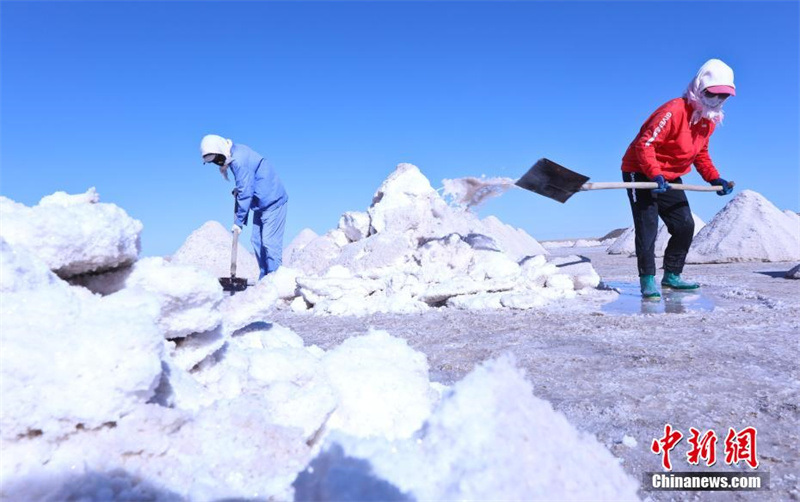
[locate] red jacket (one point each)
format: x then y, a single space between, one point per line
668 145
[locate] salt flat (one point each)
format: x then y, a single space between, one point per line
629 375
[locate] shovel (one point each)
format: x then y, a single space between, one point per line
233 283
559 183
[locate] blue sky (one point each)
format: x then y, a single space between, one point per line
117 95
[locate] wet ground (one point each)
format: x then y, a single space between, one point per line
723 357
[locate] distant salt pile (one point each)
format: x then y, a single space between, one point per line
748 228
411 251
472 192
72 234
298 243
209 248
626 242
578 243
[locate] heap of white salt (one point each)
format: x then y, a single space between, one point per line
72 233
209 248
626 243
748 228
411 250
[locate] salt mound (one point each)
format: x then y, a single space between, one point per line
298 243
378 368
626 242
515 242
748 228
490 438
82 235
209 248
98 405
411 251
70 359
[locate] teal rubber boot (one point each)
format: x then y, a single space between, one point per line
674 281
648 286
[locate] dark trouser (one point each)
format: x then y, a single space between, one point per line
673 207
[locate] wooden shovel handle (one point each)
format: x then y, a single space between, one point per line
606 185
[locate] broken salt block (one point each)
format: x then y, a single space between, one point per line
82 235
355 225
579 269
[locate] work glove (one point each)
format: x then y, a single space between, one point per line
236 229
663 186
726 187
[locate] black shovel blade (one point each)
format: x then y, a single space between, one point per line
233 284
552 180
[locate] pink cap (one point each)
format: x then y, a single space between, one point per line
722 89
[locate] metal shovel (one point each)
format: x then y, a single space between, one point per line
233 283
559 183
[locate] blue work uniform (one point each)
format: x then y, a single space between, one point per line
259 188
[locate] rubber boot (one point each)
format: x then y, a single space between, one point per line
648 286
674 281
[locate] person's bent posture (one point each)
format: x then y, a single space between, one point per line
258 188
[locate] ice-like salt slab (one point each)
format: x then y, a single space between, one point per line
209 248
228 450
82 235
188 297
355 225
382 385
748 228
71 359
491 438
402 202
269 361
579 269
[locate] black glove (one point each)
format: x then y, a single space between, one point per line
663 186
726 187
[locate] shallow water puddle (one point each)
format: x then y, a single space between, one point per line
630 301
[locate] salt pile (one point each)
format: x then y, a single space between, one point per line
626 242
578 243
209 248
446 460
148 389
77 229
410 251
748 228
298 243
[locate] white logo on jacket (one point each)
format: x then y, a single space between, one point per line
659 128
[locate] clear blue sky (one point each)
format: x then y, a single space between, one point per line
117 95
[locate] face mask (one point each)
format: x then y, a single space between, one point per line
215 158
713 101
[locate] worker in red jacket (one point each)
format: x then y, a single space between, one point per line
670 141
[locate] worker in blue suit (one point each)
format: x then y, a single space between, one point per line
258 188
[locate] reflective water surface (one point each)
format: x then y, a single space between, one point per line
630 301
